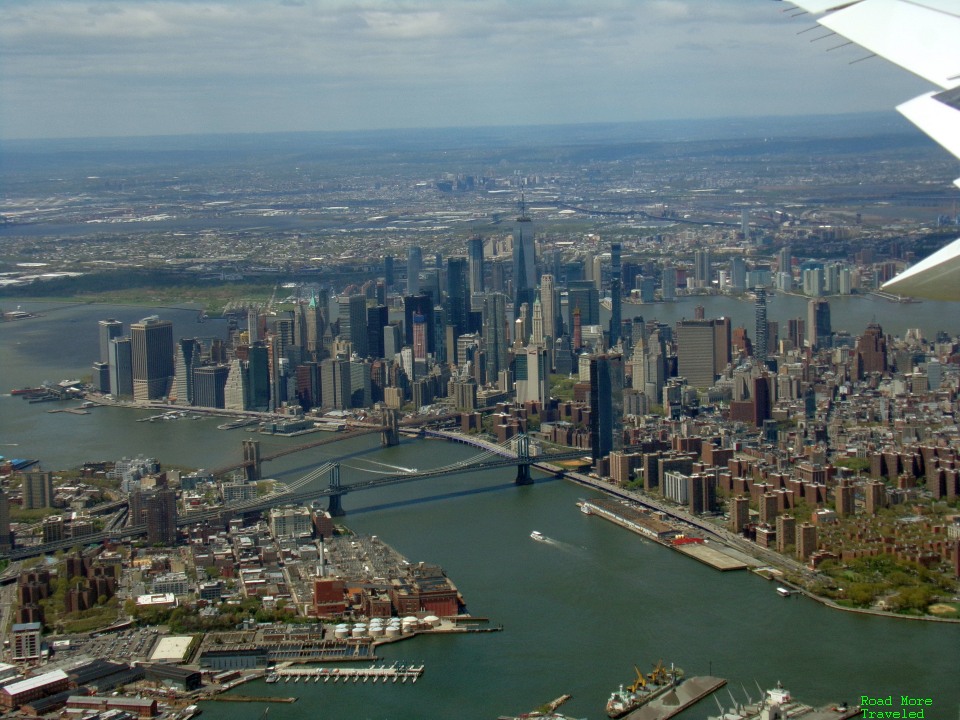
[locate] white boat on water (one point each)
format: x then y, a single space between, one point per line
538 536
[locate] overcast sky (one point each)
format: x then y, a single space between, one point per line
75 68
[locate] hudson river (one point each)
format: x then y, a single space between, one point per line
578 612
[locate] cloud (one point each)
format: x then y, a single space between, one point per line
69 67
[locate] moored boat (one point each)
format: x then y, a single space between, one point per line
643 689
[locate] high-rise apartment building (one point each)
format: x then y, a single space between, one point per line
152 357
161 514
37 490
760 317
702 270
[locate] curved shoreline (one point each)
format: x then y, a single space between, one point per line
604 488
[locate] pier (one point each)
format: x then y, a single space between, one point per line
375 673
676 700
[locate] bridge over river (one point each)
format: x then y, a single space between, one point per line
512 453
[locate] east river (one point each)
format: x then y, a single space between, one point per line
578 611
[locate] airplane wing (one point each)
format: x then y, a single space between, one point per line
919 36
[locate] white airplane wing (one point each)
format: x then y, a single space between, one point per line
920 36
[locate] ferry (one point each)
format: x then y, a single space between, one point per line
783 592
538 536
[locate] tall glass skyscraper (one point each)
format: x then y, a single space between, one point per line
524 262
414 266
152 358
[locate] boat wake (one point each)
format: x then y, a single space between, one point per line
559 544
393 469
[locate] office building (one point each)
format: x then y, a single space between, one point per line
583 294
109 329
335 384
606 405
668 283
495 334
458 298
696 352
152 357
551 307
414 267
259 396
819 332
290 522
187 355
524 261
872 349
209 385
475 258
738 274
532 374
615 293
377 318
121 368
421 304
353 322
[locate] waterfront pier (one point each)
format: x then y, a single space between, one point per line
373 674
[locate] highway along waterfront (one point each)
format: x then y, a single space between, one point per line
578 611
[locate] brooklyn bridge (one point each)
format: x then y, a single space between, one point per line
324 482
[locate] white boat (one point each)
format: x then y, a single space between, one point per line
783 592
538 536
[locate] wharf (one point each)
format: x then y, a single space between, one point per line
250 698
644 524
383 673
711 556
689 692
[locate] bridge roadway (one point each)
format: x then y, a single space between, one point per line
338 436
507 459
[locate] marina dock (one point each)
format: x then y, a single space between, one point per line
375 673
689 692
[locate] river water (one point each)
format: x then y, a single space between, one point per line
578 611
